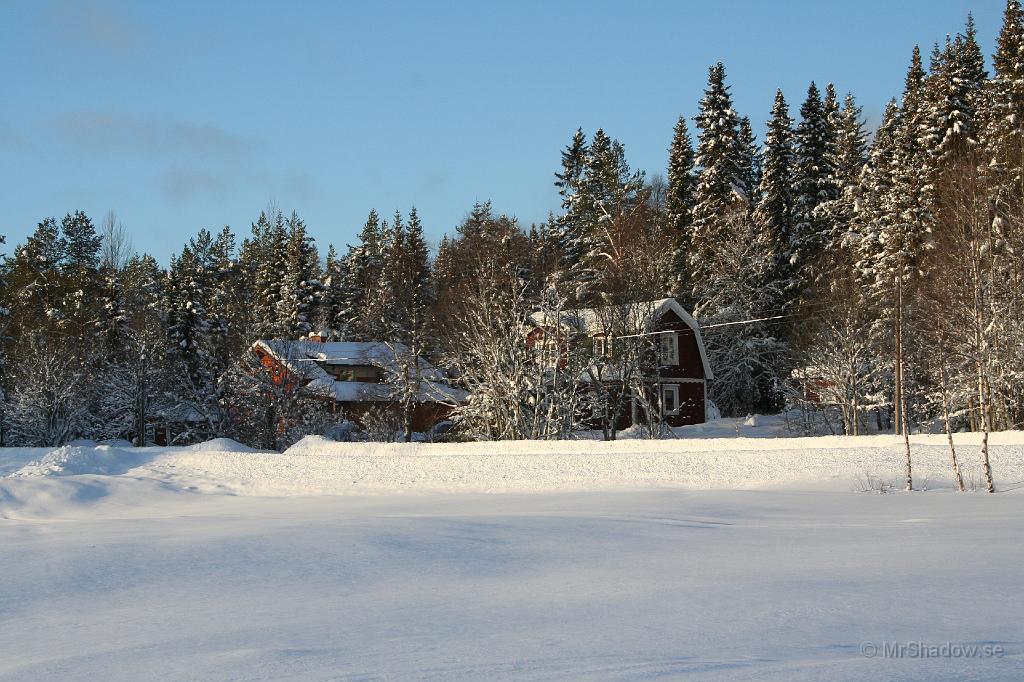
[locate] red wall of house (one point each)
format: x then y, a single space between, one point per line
690 365
691 405
424 416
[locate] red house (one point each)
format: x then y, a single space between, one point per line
359 376
678 384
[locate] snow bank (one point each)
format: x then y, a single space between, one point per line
221 445
316 465
83 459
111 458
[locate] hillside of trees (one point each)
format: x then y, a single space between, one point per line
881 271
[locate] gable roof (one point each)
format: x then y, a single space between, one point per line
308 359
641 316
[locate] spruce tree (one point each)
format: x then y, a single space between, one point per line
1004 129
82 279
598 190
417 291
955 96
340 295
679 205
223 301
848 156
719 179
262 263
34 277
750 161
813 185
189 344
575 239
301 289
365 262
612 191
82 243
773 216
907 234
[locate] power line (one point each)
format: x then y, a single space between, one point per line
729 324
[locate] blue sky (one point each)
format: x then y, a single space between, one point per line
183 115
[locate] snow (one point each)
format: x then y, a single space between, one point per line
315 355
708 556
592 321
74 459
725 454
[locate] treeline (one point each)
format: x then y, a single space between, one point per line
871 281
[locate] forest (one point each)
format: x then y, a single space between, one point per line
867 280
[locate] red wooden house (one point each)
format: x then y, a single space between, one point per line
358 376
678 383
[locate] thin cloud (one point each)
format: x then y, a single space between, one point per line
12 140
182 184
293 186
114 132
98 25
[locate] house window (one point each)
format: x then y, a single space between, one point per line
670 399
668 349
604 346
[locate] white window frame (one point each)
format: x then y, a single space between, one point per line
674 390
668 349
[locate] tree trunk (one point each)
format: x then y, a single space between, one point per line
901 402
958 479
141 403
983 405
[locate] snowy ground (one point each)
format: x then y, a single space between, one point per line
702 558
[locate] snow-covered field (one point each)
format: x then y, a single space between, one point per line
708 558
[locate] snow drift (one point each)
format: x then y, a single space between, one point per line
317 465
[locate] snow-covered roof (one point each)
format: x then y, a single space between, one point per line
310 358
641 316
365 392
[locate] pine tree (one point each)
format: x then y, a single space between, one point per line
719 179
223 303
82 243
613 190
750 161
875 187
1004 130
813 185
575 239
82 279
189 350
907 234
848 156
365 262
598 190
417 291
34 277
262 263
773 216
955 95
340 297
301 288
410 294
679 205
